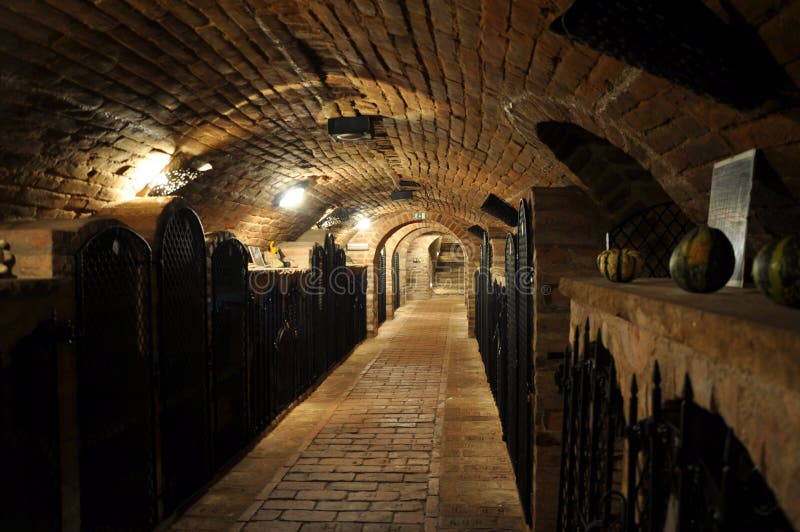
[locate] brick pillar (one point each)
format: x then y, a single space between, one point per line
568 231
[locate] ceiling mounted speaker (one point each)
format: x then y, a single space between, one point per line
500 210
402 194
352 128
476 230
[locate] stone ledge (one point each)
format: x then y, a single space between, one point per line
739 327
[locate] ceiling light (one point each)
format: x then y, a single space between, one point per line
205 167
363 223
292 197
149 169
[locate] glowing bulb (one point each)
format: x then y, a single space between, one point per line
363 223
292 197
149 169
205 167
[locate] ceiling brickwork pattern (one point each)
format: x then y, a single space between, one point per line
93 89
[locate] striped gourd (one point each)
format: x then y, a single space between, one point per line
776 270
703 260
620 265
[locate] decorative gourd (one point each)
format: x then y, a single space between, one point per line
620 265
7 260
703 261
776 270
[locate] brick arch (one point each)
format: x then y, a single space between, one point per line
384 227
611 177
387 231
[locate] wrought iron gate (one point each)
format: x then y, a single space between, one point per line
511 411
503 329
654 232
182 361
229 281
381 288
30 491
317 290
264 321
115 383
524 286
396 279
590 440
683 467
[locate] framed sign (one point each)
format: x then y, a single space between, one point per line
256 255
729 205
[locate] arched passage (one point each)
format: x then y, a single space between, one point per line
387 233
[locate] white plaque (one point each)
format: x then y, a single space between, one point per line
728 207
419 215
256 255
357 246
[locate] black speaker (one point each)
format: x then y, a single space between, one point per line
351 128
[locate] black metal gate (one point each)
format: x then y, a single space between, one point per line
654 232
524 287
591 437
229 281
115 383
683 467
30 490
317 290
511 411
264 321
396 279
381 287
503 329
183 365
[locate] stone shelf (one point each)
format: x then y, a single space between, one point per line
738 326
740 350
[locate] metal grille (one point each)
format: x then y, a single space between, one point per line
285 340
115 386
654 232
182 357
511 408
684 469
396 279
317 283
29 434
382 286
265 319
229 348
591 436
503 325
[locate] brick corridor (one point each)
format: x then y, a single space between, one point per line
402 436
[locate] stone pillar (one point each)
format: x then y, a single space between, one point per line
568 231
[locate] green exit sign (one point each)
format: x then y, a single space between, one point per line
419 215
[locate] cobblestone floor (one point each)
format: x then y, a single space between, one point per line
403 435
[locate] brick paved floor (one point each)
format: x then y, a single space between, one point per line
402 436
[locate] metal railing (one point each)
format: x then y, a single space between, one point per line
681 468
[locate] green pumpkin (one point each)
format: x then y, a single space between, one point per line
620 265
776 270
703 261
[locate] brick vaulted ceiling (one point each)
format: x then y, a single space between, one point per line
90 89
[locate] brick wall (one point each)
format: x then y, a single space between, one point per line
567 236
91 91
